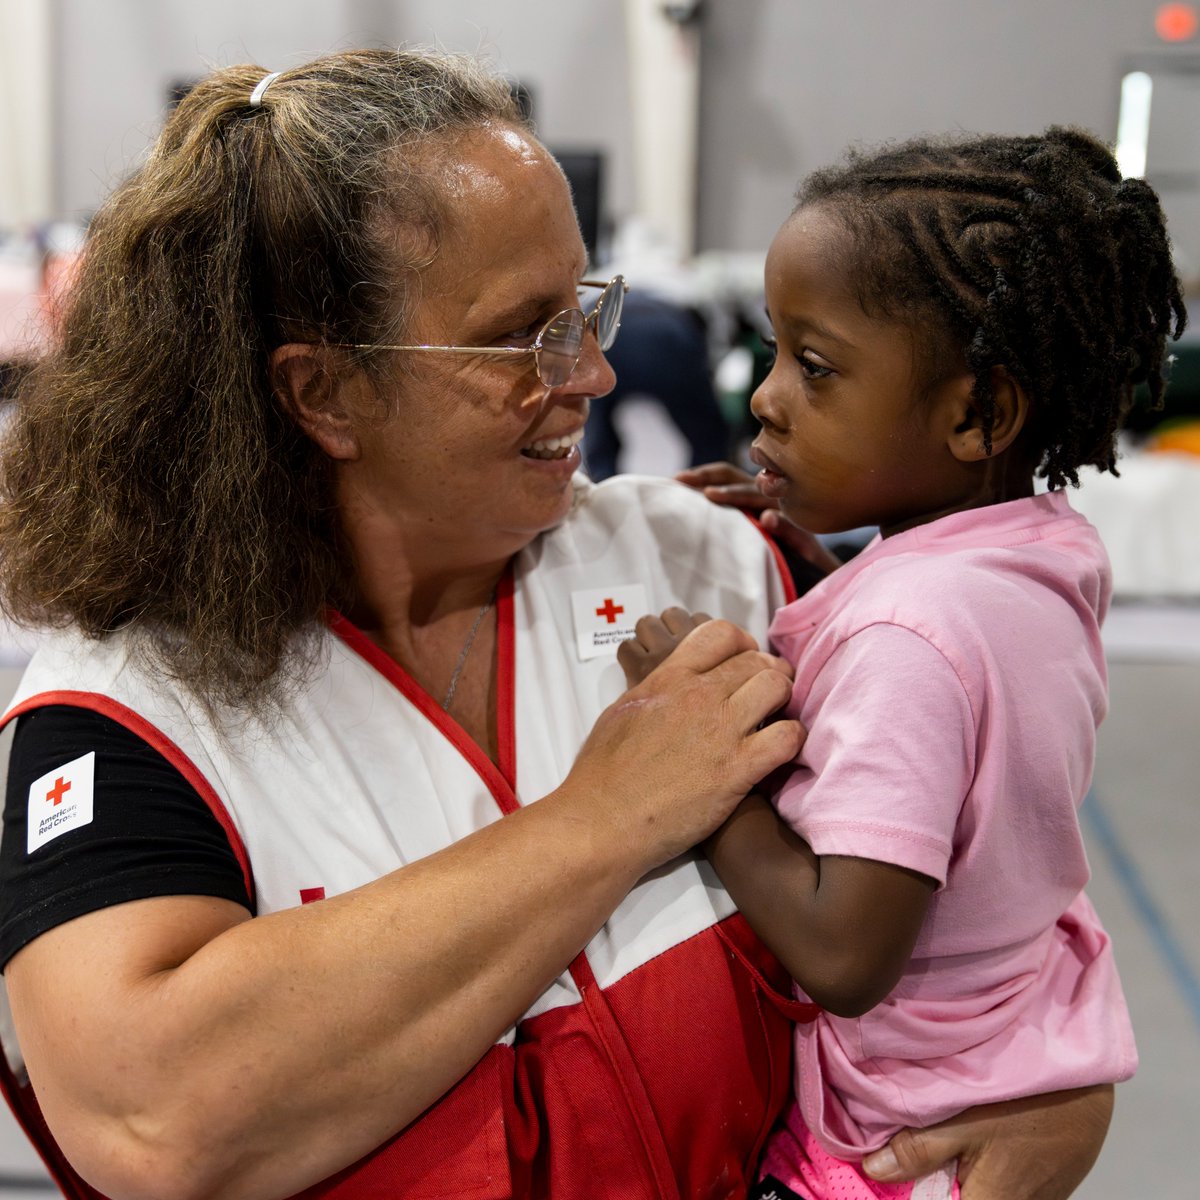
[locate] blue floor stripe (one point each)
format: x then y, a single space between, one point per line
1157 925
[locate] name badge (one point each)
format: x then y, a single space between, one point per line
605 617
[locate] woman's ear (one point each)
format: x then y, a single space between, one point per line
315 394
965 439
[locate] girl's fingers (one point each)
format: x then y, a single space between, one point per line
723 483
712 474
679 622
738 495
800 540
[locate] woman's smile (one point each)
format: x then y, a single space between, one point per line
556 449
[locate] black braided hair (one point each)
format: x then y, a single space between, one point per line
1028 253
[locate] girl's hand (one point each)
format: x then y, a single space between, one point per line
723 483
654 639
1038 1148
674 755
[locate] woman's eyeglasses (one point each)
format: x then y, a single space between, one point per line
558 346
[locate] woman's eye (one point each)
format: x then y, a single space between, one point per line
525 334
771 346
811 369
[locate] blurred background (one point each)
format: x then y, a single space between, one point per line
685 128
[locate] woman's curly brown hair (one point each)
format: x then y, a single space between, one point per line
149 475
1029 253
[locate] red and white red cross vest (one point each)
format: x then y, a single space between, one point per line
653 1067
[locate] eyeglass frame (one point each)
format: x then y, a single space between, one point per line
535 348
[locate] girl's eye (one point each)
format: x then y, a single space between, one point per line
771 346
811 369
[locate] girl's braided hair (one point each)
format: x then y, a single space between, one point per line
1027 253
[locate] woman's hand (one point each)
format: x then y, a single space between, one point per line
653 641
673 757
723 483
1038 1148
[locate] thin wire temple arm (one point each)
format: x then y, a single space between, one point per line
449 349
588 318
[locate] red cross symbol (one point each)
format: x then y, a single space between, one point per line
59 790
609 611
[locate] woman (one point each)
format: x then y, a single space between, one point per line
297 489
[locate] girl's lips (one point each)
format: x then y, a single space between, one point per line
770 479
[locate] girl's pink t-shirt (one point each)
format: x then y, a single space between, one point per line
952 678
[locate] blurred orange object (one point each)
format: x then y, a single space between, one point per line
1179 435
1176 22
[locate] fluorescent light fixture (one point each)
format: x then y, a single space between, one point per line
1133 125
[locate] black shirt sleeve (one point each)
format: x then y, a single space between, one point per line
151 833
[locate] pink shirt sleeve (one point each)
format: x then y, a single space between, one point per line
890 753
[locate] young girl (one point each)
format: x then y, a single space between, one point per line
951 318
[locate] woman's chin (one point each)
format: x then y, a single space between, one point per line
542 503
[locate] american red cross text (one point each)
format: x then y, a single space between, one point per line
609 611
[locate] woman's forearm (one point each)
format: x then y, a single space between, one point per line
217 1077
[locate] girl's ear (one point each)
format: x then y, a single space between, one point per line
316 396
965 439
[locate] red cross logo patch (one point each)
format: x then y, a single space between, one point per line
61 800
605 617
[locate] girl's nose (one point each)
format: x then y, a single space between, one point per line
765 405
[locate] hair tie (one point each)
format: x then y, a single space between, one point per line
256 96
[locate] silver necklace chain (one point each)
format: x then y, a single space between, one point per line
462 654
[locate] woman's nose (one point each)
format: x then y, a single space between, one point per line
593 376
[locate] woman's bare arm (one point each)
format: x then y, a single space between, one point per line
180 1049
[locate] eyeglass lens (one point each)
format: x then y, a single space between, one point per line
562 339
562 343
608 316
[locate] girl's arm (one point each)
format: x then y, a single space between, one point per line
844 928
